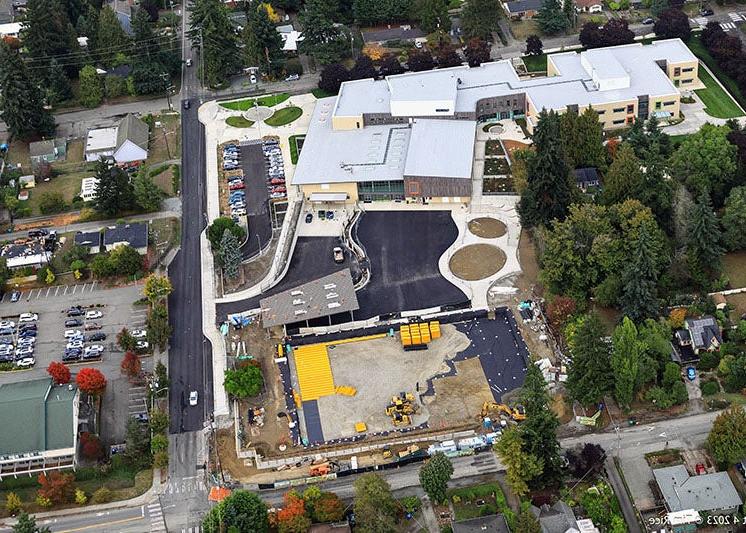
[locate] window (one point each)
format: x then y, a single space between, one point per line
413 188
687 69
442 110
665 104
657 105
677 72
630 120
619 121
686 81
631 108
601 112
618 110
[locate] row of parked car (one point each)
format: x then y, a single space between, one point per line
275 168
78 345
17 341
237 197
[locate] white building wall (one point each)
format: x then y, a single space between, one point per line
427 108
129 152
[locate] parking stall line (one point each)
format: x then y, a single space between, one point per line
93 285
47 294
56 291
64 293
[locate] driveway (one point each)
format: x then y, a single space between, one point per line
257 199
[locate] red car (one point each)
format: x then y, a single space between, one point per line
701 469
237 186
277 181
278 189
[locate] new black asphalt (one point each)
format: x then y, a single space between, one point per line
189 356
257 199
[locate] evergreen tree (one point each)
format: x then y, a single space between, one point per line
657 7
47 33
588 379
591 140
625 361
624 179
568 8
57 84
526 523
551 18
87 26
549 190
569 135
734 219
210 24
434 476
91 87
111 40
263 45
21 101
114 192
640 278
703 241
432 14
229 254
534 46
148 195
145 45
539 428
27 524
480 18
521 466
321 39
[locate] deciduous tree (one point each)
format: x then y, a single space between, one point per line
332 77
157 288
672 24
521 466
480 18
434 476
727 439
363 69
293 518
534 46
432 14
375 507
421 61
131 365
159 330
243 382
91 381
57 486
477 51
241 511
217 228
59 372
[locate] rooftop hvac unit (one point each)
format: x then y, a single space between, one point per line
330 286
333 305
299 312
332 295
296 293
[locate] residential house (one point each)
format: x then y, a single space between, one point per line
405 32
482 524
522 9
134 235
290 37
720 301
126 144
90 240
88 189
40 427
123 10
29 254
709 493
589 6
705 333
47 151
585 178
557 518
10 29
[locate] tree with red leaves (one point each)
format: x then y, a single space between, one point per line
57 487
559 310
292 518
91 381
131 365
91 446
328 508
59 372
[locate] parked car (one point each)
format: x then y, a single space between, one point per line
189 62
74 344
90 326
69 333
75 311
7 357
186 104
28 317
73 322
141 417
27 326
87 356
139 333
339 255
70 356
7 331
142 345
26 362
252 78
90 315
309 218
236 186
292 77
15 296
329 215
691 374
24 351
98 336
94 348
706 12
27 333
7 324
648 21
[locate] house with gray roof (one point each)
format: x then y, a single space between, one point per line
522 8
40 427
704 333
47 151
90 240
134 235
126 143
482 524
711 493
557 518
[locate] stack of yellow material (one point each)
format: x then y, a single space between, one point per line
314 371
435 330
406 337
346 390
360 427
424 333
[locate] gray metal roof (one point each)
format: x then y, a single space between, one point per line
88 238
703 330
325 296
555 519
134 234
133 129
706 492
441 148
490 524
40 148
521 6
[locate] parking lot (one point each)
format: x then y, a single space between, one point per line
257 198
52 303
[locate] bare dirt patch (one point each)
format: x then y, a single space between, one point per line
477 261
487 227
511 146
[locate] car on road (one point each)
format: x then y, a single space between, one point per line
139 333
70 333
15 296
189 62
691 374
309 218
90 315
292 77
648 21
73 322
28 317
252 78
98 336
193 398
339 255
26 362
186 104
706 12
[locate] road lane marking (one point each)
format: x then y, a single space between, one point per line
93 526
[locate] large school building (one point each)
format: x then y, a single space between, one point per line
411 136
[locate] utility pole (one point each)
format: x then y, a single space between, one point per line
169 88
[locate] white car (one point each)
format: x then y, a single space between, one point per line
28 317
193 397
26 362
94 348
7 324
142 345
189 62
25 350
90 315
27 341
252 78
74 344
69 333
292 77
139 333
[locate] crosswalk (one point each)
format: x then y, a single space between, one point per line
727 26
185 485
195 529
155 514
137 401
736 18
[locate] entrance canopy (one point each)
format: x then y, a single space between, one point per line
318 197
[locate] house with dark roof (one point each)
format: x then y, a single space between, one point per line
518 9
558 518
134 235
482 524
40 427
404 32
704 333
711 493
90 240
587 177
589 6
47 151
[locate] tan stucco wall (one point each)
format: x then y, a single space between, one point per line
347 123
349 188
551 68
693 75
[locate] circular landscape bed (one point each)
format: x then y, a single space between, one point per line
477 261
258 113
487 228
284 116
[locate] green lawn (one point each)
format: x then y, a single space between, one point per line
321 93
239 122
293 140
68 185
479 500
717 102
248 103
734 265
284 116
536 63
699 50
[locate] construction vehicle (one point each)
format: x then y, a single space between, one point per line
387 452
400 419
517 413
401 408
322 469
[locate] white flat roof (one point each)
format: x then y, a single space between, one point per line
101 139
441 148
11 28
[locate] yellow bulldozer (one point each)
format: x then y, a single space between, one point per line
517 413
400 419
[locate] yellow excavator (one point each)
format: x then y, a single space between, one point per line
517 413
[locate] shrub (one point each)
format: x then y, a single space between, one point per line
102 495
80 497
710 387
158 443
13 503
43 501
709 360
160 459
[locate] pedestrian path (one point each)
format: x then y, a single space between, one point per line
155 514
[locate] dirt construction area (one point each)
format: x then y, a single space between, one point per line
477 261
487 227
380 369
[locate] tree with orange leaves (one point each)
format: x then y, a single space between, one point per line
292 518
91 381
59 372
131 364
57 487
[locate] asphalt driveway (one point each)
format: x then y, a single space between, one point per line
257 199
